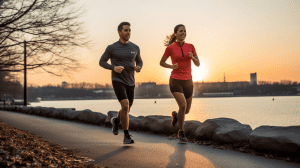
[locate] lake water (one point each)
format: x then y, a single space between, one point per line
254 111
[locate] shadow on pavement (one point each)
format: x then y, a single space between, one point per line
101 158
178 157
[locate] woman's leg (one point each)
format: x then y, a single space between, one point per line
188 104
181 101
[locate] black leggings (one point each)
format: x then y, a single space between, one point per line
184 86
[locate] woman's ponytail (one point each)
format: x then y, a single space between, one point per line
170 39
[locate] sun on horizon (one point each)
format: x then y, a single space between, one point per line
198 73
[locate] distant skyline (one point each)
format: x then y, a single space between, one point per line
232 37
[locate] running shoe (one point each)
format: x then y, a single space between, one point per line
115 127
127 139
182 138
174 119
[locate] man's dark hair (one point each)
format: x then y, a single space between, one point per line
120 27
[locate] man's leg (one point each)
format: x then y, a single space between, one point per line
123 114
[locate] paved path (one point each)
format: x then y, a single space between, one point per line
107 149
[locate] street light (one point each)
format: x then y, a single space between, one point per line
25 79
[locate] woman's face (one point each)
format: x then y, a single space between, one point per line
180 34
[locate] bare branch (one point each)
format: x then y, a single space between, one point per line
51 30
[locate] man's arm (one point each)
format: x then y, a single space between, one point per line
139 62
105 57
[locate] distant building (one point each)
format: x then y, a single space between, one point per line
253 79
151 90
148 85
218 88
64 84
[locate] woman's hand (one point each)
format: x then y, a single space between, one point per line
191 55
195 59
175 66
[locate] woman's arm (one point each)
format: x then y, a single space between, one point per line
195 59
164 64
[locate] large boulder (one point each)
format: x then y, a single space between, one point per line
45 111
110 114
89 116
223 130
135 123
50 112
275 138
157 124
190 127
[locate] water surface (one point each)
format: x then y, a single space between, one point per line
254 111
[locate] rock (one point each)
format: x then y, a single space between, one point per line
51 112
135 123
224 130
71 115
132 125
157 124
110 114
275 138
88 116
190 127
59 113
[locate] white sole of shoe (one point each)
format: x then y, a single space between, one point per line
182 142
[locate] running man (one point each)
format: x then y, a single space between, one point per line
181 83
123 55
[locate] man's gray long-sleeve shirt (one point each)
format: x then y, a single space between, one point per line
120 54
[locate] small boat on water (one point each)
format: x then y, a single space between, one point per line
18 102
38 99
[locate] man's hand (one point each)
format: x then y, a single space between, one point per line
175 66
118 69
137 68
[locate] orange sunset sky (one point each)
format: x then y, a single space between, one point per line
235 37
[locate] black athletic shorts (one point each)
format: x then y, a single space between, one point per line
183 86
123 91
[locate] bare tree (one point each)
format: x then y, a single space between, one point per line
52 30
9 85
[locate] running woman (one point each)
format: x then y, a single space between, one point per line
181 83
123 55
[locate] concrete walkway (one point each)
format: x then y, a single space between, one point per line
107 149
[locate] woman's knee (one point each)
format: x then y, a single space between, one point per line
182 107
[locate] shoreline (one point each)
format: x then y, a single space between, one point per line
172 97
243 147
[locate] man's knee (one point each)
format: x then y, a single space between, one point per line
125 105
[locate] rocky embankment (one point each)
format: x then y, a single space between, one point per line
224 133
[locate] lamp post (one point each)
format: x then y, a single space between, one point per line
25 79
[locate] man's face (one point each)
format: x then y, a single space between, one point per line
125 33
